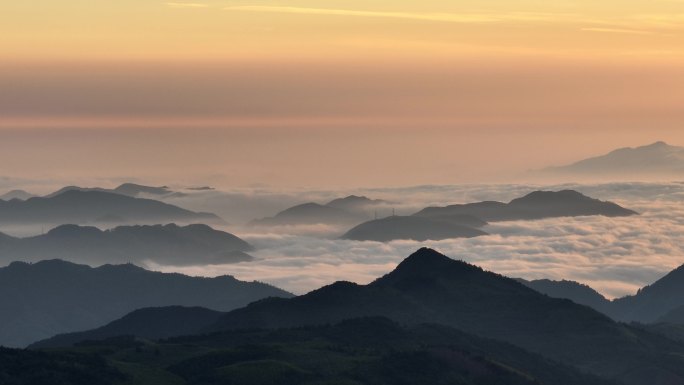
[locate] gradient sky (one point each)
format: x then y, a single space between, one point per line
328 93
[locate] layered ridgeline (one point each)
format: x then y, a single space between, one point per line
346 211
663 301
149 323
51 297
536 205
465 220
426 288
163 244
655 160
85 207
128 189
429 287
359 351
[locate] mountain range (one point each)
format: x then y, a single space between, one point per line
535 205
345 211
128 189
51 297
661 301
88 207
450 309
466 220
655 160
163 244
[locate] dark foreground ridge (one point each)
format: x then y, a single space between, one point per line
52 297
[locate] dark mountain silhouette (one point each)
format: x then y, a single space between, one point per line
430 287
310 214
416 228
53 297
16 194
82 207
536 205
128 189
169 244
359 351
657 159
357 204
574 291
148 323
654 301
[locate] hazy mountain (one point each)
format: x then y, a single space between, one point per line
574 291
654 301
657 159
127 189
169 244
429 287
82 207
356 204
674 316
52 297
536 205
148 323
310 214
416 228
16 194
134 190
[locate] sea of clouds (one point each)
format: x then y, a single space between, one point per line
616 256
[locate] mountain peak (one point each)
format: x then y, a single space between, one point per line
429 264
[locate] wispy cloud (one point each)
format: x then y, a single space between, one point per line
424 16
618 30
187 5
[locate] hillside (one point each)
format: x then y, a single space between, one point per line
52 297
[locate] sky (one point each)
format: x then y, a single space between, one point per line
332 93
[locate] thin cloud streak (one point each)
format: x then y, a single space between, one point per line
464 18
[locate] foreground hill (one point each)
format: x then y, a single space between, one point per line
359 351
149 323
52 297
654 160
429 287
168 244
83 207
536 205
416 228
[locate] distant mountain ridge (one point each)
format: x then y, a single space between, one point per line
47 298
657 159
86 207
16 194
535 205
468 220
163 244
416 228
345 211
128 189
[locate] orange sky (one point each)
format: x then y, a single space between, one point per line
485 88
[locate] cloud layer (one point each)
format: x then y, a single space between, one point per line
616 256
